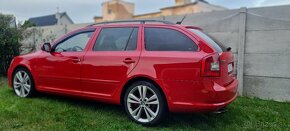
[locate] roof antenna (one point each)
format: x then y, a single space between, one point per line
180 22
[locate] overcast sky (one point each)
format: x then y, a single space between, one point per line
83 11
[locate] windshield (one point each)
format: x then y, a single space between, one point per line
218 46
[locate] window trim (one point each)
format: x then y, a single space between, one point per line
93 30
185 33
106 27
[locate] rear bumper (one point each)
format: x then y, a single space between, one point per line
215 99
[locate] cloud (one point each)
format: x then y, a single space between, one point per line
83 11
79 11
259 2
272 2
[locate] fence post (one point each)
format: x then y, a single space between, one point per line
241 49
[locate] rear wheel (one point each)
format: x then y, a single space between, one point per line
144 103
23 84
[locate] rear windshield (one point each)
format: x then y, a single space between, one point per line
218 46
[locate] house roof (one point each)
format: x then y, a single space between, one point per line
47 20
148 13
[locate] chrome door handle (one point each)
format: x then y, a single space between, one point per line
128 61
76 60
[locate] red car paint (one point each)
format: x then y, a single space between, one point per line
103 75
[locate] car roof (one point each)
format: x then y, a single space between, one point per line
133 21
126 23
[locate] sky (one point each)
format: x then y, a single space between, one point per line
83 11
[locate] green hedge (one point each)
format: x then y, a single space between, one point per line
9 42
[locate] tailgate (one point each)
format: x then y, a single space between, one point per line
227 68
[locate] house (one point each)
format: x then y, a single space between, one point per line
54 19
120 10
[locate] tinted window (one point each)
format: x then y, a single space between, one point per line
75 43
209 39
117 39
132 44
161 39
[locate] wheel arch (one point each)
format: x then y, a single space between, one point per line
141 78
22 66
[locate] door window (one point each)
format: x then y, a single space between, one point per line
218 46
76 43
162 39
117 39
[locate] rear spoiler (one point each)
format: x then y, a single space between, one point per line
194 27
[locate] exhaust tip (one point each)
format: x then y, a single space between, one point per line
221 111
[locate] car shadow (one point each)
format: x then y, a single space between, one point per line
173 120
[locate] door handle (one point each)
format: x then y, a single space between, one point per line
76 60
128 61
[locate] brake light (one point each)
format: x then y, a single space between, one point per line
210 67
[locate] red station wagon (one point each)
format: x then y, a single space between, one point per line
149 67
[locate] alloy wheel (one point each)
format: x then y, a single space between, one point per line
143 104
22 84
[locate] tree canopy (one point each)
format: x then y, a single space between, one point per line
9 42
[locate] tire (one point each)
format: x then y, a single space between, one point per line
23 83
148 111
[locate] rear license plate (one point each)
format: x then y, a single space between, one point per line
230 68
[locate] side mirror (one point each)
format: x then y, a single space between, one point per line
46 47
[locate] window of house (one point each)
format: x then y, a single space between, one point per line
109 11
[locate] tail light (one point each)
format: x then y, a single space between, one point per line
210 67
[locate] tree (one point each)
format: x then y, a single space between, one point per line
9 42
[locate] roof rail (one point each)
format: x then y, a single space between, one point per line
128 21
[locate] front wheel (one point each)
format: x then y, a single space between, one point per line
23 84
144 103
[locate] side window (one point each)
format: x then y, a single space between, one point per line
75 43
161 39
117 39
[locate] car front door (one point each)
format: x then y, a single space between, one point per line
111 58
59 70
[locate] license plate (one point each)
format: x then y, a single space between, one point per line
230 68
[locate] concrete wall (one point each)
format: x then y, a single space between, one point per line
259 37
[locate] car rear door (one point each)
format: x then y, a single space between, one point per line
111 58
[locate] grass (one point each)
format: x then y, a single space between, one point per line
49 112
